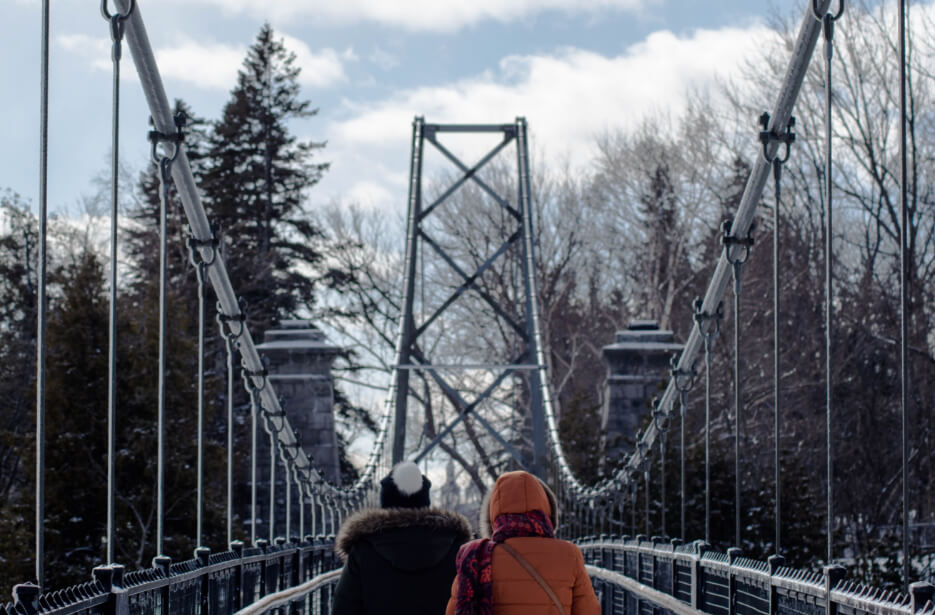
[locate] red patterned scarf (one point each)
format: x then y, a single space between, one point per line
475 583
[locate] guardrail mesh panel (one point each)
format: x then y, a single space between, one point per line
646 569
683 581
185 597
146 603
751 598
662 575
795 603
715 596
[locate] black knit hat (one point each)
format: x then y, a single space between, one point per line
405 487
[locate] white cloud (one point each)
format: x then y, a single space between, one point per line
569 97
211 66
322 69
97 49
383 58
214 66
432 15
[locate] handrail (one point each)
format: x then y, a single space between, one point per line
286 596
653 595
622 561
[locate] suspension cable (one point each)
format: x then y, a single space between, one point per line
116 20
827 22
662 428
253 391
164 165
709 324
201 264
41 316
684 381
787 137
904 288
737 261
230 341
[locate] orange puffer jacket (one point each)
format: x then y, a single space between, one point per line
559 562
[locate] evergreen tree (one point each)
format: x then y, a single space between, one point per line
17 387
256 184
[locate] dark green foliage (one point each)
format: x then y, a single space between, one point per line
256 184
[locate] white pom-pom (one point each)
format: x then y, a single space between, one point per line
407 477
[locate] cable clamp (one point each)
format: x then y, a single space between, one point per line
175 138
832 16
195 245
229 319
767 136
116 20
730 241
683 379
708 323
249 375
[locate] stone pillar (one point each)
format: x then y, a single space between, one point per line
637 363
300 360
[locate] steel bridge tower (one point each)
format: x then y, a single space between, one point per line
520 317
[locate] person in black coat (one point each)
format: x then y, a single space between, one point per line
399 558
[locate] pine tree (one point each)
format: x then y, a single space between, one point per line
256 184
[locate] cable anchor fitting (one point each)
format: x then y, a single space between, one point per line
249 382
767 136
176 138
195 247
729 241
229 319
116 20
709 323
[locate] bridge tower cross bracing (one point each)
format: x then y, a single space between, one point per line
411 354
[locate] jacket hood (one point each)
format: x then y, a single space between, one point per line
389 530
516 492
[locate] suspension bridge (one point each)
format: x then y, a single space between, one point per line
296 569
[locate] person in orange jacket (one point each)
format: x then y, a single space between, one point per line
497 575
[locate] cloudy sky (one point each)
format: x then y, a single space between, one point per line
574 68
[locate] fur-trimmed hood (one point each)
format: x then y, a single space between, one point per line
372 523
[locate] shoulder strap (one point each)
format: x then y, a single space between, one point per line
535 575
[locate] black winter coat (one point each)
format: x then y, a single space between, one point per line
398 560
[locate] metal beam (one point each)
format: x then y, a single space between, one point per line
506 128
406 324
467 408
468 174
464 169
469 281
484 294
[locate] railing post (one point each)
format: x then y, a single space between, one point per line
732 554
26 598
203 556
261 544
700 548
921 594
775 562
833 574
111 578
163 563
675 542
237 597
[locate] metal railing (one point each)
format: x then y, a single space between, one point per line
641 576
209 584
